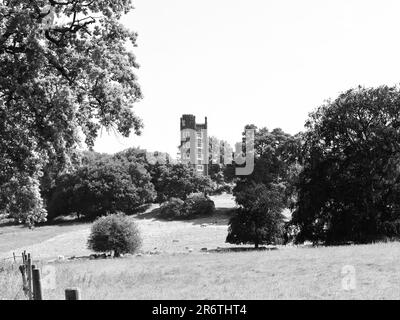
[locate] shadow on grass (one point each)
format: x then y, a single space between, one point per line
241 249
74 220
219 218
70 220
152 212
8 223
67 221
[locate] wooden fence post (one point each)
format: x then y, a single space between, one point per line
24 272
24 281
29 276
72 294
37 285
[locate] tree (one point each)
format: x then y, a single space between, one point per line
269 189
57 81
259 219
23 200
101 188
276 160
133 155
218 152
177 181
349 189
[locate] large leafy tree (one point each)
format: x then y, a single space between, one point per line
276 160
177 181
259 219
267 191
59 81
349 189
104 186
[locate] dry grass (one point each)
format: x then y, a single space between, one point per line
10 282
14 237
292 273
287 273
167 236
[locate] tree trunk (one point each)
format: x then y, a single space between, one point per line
256 239
117 254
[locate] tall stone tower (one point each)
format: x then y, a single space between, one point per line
194 143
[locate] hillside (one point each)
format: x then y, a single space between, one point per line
173 266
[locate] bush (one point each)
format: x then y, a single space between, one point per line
194 206
174 208
220 189
115 233
199 205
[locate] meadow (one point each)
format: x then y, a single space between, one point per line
173 264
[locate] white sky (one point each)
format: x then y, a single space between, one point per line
253 61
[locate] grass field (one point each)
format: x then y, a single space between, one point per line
49 242
287 273
176 272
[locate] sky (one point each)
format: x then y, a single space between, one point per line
262 62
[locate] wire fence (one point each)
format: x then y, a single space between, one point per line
31 279
14 258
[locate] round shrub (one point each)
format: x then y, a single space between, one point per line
173 209
194 206
199 205
115 233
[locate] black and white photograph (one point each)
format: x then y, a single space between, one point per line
218 151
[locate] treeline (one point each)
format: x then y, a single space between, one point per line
340 178
103 184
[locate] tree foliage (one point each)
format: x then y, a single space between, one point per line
349 189
58 82
268 190
177 181
219 154
276 155
174 208
259 219
195 205
104 187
